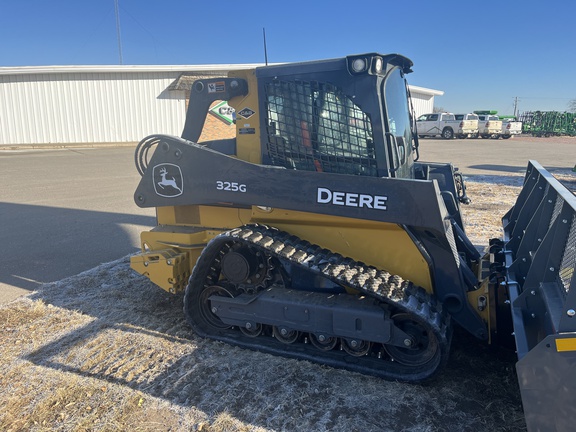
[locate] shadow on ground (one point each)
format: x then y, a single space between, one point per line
134 335
44 244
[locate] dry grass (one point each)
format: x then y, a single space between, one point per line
490 202
107 351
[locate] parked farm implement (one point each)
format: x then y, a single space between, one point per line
548 123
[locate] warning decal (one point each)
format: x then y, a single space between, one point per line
217 87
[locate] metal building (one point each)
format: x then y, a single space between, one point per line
67 105
423 99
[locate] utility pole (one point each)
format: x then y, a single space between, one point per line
515 106
119 37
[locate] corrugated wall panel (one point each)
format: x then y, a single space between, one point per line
423 104
99 107
88 107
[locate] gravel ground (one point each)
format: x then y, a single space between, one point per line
106 350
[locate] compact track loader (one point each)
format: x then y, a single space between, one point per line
317 234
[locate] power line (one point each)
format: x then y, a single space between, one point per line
544 97
155 41
117 12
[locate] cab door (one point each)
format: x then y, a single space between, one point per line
398 125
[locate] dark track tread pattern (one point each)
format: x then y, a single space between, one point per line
402 294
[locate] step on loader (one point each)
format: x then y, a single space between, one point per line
317 233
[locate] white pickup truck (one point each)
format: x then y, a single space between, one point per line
510 127
489 126
472 117
445 125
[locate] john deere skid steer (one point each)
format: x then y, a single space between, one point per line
317 234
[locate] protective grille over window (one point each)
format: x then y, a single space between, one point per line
313 126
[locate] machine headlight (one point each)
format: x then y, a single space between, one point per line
368 63
378 65
359 65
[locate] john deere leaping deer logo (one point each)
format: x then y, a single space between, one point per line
168 180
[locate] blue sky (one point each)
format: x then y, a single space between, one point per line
481 54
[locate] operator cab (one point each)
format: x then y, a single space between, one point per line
347 116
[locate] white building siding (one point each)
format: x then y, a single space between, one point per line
106 104
423 104
423 100
88 107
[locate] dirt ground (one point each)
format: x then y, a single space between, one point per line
107 351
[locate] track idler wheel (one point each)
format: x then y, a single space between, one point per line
207 312
419 349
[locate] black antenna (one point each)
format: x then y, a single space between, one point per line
265 50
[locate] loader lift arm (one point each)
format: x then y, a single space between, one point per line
203 93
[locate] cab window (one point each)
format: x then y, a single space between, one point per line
398 115
314 126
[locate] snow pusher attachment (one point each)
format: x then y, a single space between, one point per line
538 257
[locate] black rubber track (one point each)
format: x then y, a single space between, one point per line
402 295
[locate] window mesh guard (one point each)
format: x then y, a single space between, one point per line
313 126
